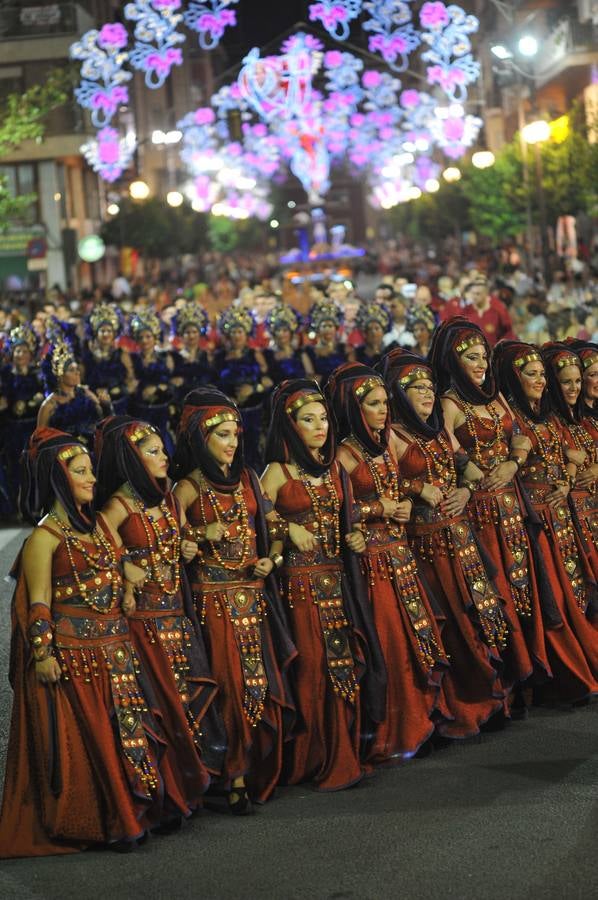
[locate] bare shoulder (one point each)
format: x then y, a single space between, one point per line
185 492
273 476
114 512
40 543
346 459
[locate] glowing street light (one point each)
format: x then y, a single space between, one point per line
536 132
274 223
113 209
432 185
501 52
527 45
174 198
139 190
483 159
451 174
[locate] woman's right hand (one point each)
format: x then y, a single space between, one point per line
431 495
303 539
47 671
215 531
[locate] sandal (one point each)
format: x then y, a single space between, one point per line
241 806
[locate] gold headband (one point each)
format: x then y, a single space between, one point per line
141 433
219 418
524 360
568 361
469 342
416 375
313 397
368 385
70 452
589 360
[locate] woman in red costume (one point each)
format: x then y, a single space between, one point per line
310 498
564 375
236 602
481 421
133 491
409 635
546 476
450 561
84 747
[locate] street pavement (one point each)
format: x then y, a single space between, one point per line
511 815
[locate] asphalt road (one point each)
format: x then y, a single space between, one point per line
513 815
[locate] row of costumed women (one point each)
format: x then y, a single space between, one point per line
420 550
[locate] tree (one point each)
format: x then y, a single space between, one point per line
156 229
22 118
496 196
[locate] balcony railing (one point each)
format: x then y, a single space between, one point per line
54 20
569 43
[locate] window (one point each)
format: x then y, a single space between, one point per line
20 180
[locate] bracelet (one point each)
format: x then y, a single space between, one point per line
366 511
278 530
41 631
517 460
470 485
277 559
412 487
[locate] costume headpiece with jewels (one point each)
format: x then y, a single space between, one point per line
401 369
372 312
118 452
557 358
236 317
191 315
55 363
451 340
325 311
347 388
204 409
283 316
45 478
104 314
284 442
22 335
421 315
588 354
509 359
145 320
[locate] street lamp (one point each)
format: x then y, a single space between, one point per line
501 52
534 133
174 198
113 209
139 190
451 174
483 159
527 45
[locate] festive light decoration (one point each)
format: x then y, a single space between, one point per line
109 154
447 30
394 35
210 20
102 56
335 16
305 109
155 51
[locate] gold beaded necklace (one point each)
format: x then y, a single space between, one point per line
324 517
439 463
384 474
550 451
499 434
237 511
104 559
163 548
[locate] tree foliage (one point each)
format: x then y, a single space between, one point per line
156 229
493 201
22 118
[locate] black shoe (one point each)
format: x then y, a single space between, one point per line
122 846
170 826
242 806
